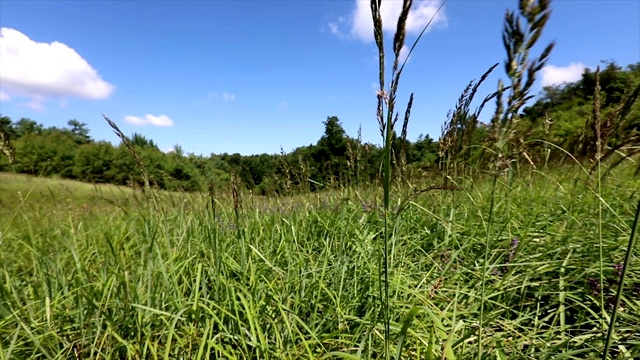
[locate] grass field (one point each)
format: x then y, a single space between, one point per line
96 272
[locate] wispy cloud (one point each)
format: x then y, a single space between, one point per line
225 97
46 70
361 25
283 105
4 96
556 75
335 26
148 119
228 97
36 103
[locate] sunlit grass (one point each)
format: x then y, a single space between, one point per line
126 281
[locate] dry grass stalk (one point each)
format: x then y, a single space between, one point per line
521 70
132 151
287 170
386 124
141 168
350 157
597 121
617 132
403 135
360 149
461 124
547 135
235 193
304 174
378 35
212 197
386 131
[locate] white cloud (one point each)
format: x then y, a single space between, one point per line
160 120
4 96
283 105
419 16
556 75
227 97
45 70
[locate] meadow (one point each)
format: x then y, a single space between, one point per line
499 251
93 272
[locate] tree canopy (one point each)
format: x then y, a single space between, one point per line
562 115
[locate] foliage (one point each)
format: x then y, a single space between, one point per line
335 160
93 272
558 123
566 115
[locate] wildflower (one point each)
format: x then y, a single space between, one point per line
618 268
512 253
594 284
514 247
436 286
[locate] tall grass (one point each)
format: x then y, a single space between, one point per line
170 283
503 267
387 122
623 268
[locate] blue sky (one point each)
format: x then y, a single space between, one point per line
252 76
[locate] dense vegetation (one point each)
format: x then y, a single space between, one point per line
511 240
103 273
560 116
72 154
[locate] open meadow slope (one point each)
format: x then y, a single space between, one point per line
108 273
508 235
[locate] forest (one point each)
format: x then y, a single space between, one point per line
557 125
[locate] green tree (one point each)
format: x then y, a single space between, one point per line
27 126
563 114
141 141
331 150
424 151
79 131
123 169
8 127
51 154
93 162
182 173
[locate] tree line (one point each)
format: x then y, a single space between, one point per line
563 120
71 153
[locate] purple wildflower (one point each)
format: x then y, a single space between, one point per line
618 268
514 247
594 284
